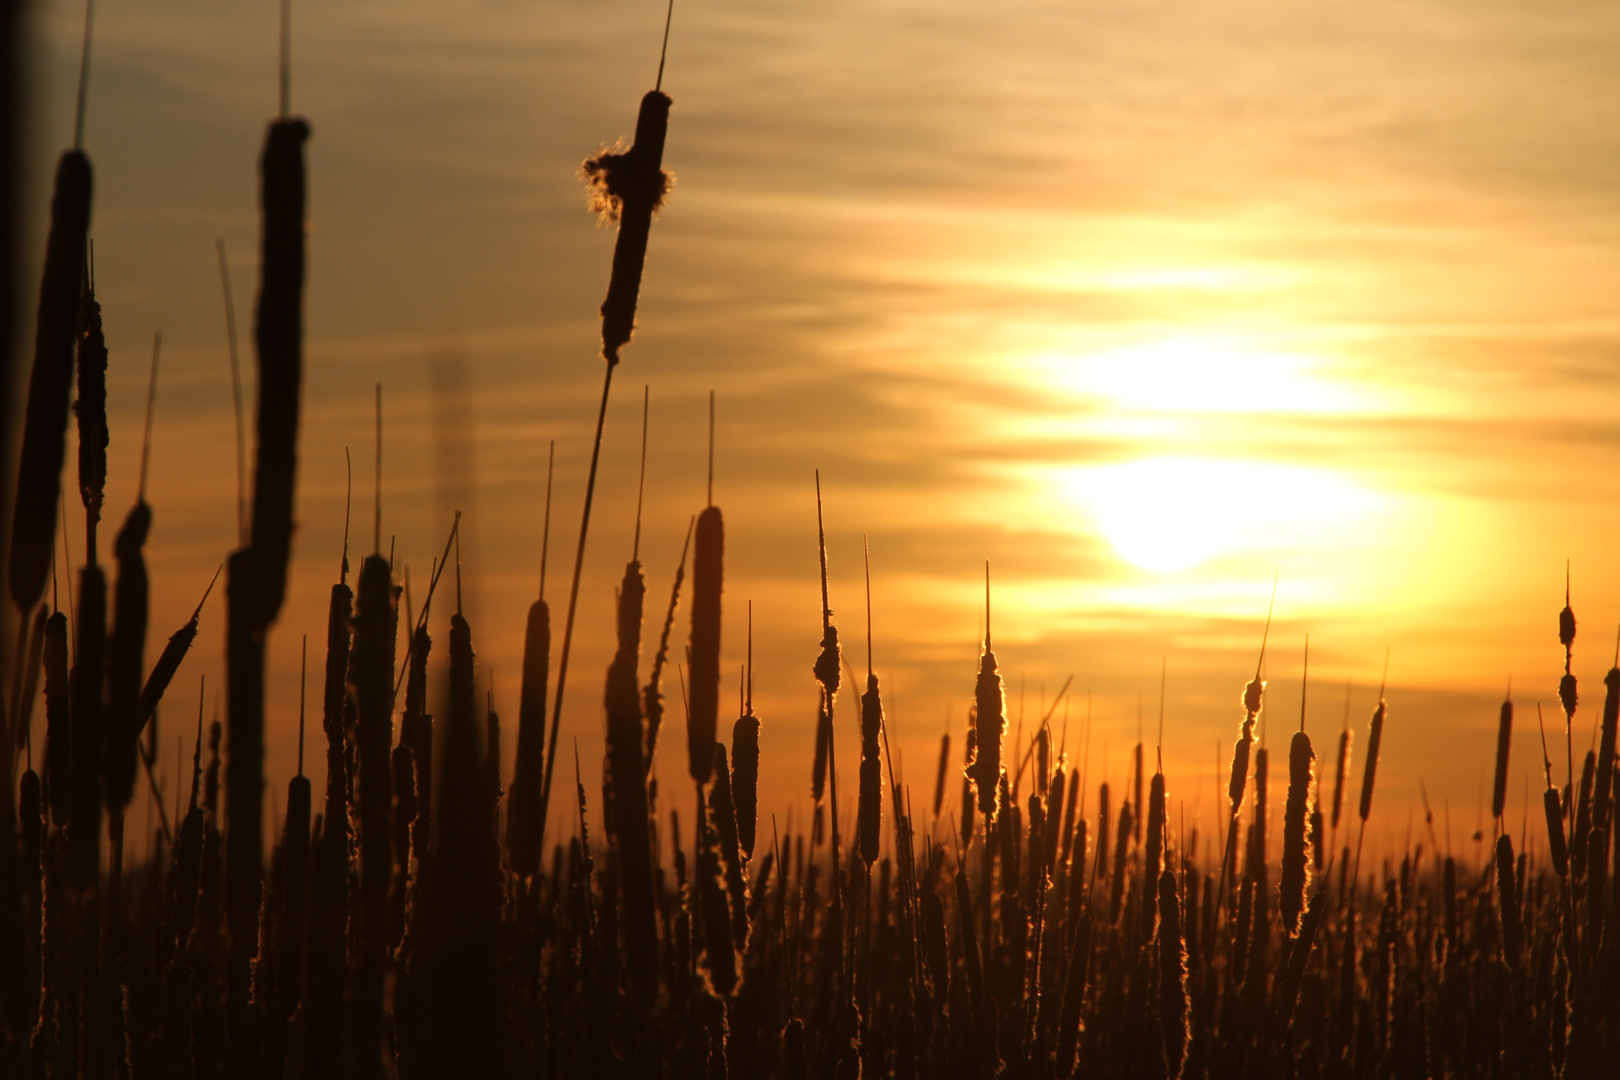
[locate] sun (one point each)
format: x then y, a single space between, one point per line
1172 513
1162 514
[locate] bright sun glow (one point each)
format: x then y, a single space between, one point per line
1204 375
1172 513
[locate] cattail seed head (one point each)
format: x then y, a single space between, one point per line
1341 767
1154 857
707 571
1375 735
745 779
1295 879
1504 741
990 725
1172 976
1566 624
58 751
1567 695
1507 892
1556 844
523 806
869 809
944 769
629 186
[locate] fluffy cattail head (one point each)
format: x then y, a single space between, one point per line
1566 624
1252 693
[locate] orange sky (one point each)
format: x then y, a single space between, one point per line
1142 303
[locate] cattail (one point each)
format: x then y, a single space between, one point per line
1136 788
1073 791
523 809
628 806
1556 844
1252 694
278 335
58 751
126 657
1507 892
651 695
939 782
720 959
745 778
1340 766
1153 860
818 771
869 808
990 724
1054 819
1295 878
50 384
91 409
1504 739
1172 976
1375 735
724 814
88 725
1121 841
1102 826
1603 794
462 884
416 731
704 659
793 1050
1583 817
629 186
295 868
371 681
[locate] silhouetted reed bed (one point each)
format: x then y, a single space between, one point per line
417 920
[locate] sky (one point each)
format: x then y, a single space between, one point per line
1147 305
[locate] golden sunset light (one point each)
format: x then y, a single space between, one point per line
1198 331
